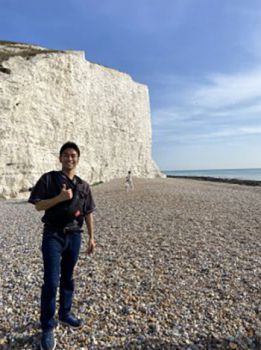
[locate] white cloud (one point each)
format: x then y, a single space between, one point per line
228 90
223 106
242 131
226 131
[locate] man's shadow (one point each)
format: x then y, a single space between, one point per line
20 341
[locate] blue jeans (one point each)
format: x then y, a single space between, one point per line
60 254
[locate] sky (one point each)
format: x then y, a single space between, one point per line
201 60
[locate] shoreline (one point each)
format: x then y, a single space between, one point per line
218 179
23 196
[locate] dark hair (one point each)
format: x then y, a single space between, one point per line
70 145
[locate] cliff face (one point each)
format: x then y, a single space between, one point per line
48 97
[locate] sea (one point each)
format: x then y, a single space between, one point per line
242 174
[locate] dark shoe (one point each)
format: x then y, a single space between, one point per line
71 320
47 340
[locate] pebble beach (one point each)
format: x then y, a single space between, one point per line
177 266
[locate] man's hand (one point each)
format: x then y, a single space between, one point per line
65 194
91 246
91 242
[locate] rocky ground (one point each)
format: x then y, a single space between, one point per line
177 266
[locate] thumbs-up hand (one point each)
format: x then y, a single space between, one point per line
65 194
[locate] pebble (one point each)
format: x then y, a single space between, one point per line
177 266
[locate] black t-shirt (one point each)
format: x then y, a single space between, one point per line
50 185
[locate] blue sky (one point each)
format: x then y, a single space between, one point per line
199 58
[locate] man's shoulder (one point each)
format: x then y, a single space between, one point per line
50 174
82 182
44 187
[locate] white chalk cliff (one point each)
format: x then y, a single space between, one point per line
48 97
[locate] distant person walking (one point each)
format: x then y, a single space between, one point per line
67 201
129 186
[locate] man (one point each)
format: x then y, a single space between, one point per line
67 202
129 182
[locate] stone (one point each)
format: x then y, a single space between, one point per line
178 310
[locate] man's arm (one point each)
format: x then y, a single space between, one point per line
90 229
45 204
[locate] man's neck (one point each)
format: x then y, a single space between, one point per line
70 173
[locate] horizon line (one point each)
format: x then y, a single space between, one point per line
209 169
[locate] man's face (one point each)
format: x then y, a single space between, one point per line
69 159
